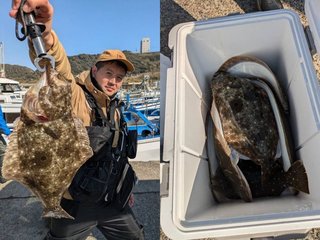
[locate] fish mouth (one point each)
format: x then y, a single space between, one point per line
42 118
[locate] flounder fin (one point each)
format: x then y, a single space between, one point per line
239 183
222 188
58 212
228 162
11 157
297 177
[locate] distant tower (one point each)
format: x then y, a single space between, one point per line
2 70
145 45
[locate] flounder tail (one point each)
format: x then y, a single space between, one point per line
58 212
297 178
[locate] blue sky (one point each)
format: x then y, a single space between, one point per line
86 26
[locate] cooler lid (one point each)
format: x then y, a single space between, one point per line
312 10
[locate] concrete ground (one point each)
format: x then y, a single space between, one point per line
21 211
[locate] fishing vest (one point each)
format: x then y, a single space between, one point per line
107 177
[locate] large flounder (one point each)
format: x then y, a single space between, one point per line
248 130
246 116
48 145
243 125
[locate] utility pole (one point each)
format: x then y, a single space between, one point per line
2 70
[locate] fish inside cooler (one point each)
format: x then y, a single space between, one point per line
248 147
277 38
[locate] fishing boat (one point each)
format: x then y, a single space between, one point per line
11 96
143 115
11 93
146 127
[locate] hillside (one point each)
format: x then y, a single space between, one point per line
20 73
147 63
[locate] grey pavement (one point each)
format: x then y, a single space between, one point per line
21 211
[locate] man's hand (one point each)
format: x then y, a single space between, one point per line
42 8
43 14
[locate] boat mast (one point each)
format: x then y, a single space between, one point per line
2 70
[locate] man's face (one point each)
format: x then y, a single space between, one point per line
109 77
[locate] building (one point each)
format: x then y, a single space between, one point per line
145 45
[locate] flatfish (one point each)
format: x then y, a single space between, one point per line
246 126
48 145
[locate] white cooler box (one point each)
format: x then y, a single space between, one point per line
188 210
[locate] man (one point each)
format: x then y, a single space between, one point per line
6 131
90 199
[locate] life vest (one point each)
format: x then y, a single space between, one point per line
107 176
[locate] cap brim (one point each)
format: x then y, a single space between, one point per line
128 64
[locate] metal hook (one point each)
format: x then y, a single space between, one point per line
38 59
